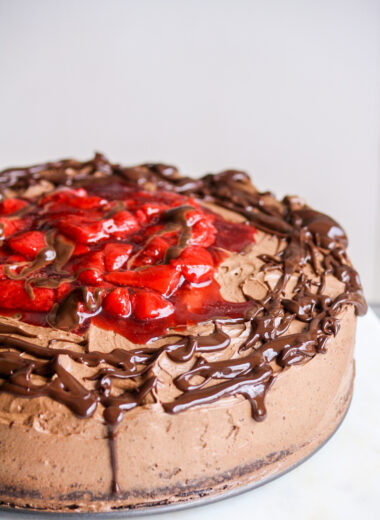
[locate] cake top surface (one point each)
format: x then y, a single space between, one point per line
106 271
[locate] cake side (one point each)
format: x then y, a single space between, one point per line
173 458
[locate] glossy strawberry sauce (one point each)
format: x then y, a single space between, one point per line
147 261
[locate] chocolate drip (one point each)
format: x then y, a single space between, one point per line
68 314
308 238
64 249
253 387
176 219
64 388
44 257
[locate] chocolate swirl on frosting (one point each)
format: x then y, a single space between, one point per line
308 238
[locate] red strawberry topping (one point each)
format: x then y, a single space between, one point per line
117 302
10 226
123 223
91 268
14 296
28 244
152 253
84 231
116 255
162 278
10 206
196 264
153 256
150 305
62 199
81 249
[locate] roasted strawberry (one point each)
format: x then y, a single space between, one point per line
117 302
196 264
81 249
63 290
10 206
123 223
116 255
149 210
90 277
150 305
14 296
28 244
91 232
203 233
162 278
79 198
152 253
90 268
83 231
10 226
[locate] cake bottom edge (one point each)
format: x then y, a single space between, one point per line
210 489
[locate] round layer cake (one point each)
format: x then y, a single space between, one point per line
164 338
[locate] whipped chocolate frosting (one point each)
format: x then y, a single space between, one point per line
312 249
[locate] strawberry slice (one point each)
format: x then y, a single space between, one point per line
80 249
10 226
10 206
196 264
79 198
123 223
63 290
91 268
90 277
83 231
150 305
162 278
87 232
14 296
28 244
203 233
152 253
118 303
116 255
149 210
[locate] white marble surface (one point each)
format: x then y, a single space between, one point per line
341 481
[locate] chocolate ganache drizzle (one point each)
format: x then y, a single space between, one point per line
307 238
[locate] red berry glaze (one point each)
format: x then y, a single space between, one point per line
152 255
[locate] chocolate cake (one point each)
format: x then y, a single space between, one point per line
164 338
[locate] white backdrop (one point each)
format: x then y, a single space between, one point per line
288 90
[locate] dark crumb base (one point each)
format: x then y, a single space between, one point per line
193 494
198 489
